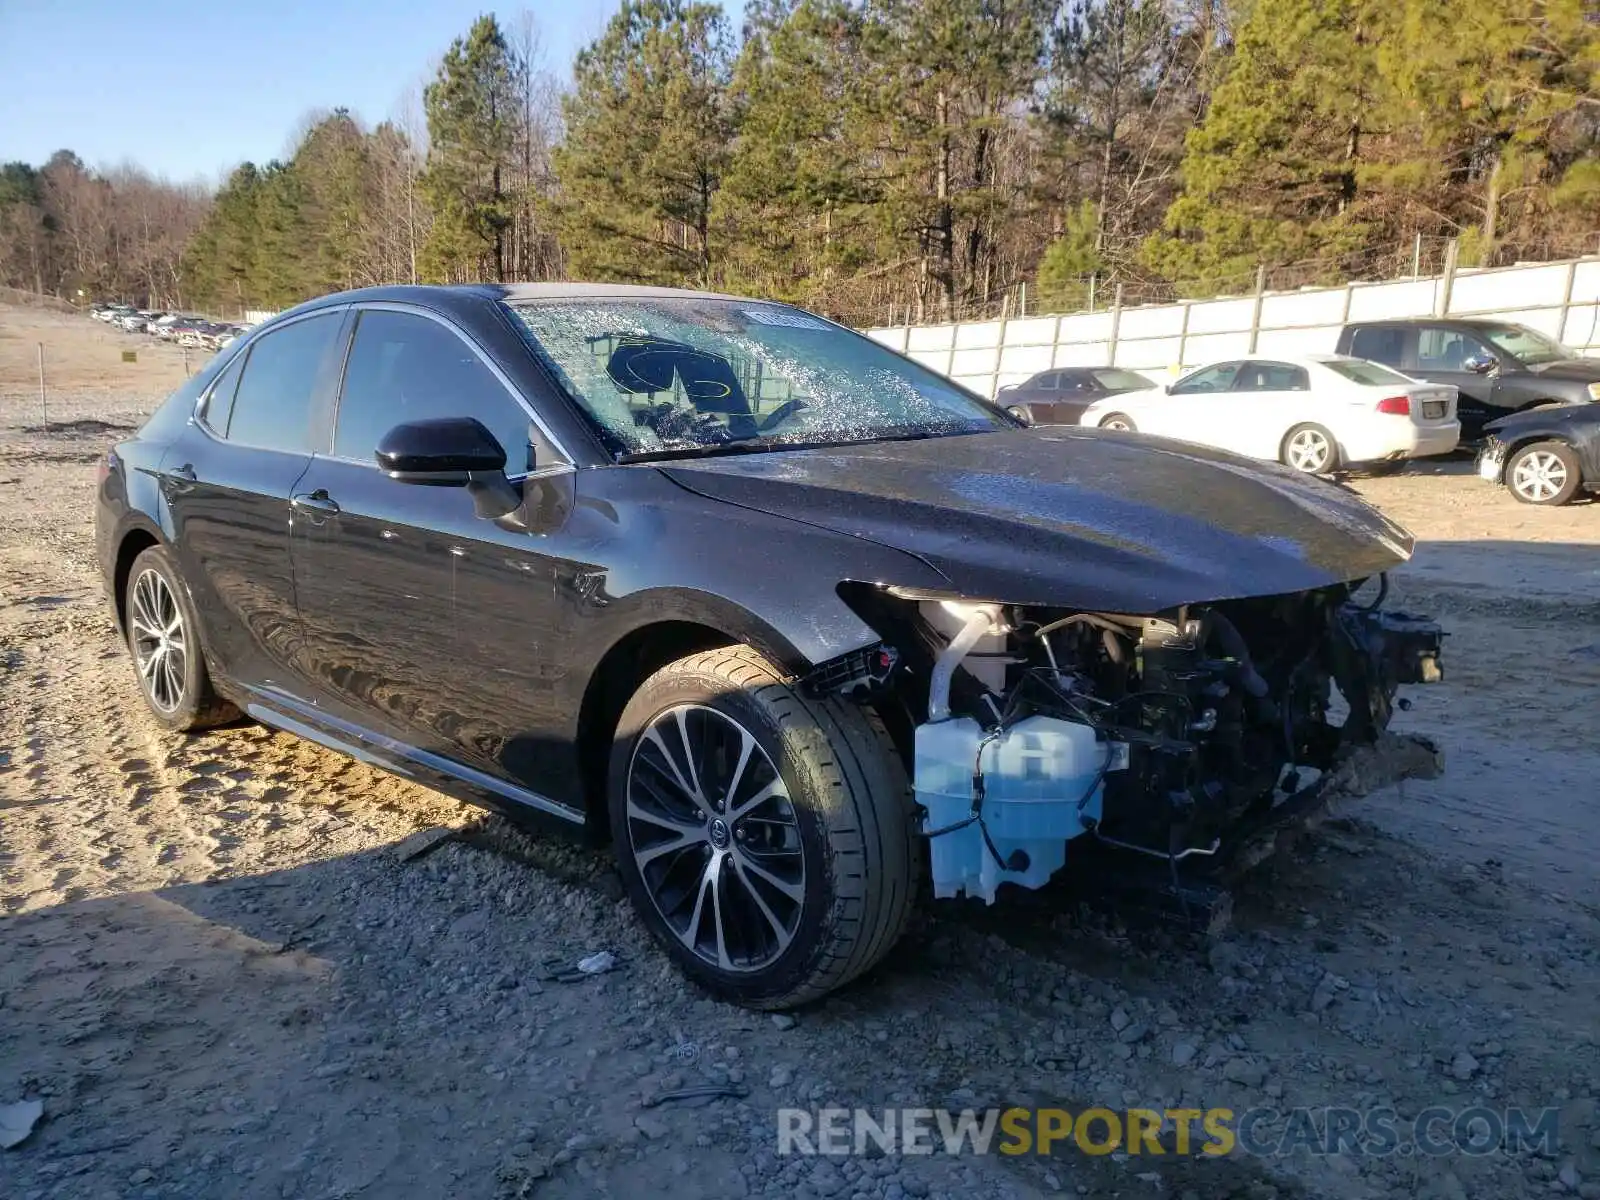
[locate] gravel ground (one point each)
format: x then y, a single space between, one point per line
222 974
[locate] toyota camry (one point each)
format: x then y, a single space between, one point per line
803 630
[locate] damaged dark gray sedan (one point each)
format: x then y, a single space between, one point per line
802 628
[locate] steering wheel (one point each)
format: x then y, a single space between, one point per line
781 414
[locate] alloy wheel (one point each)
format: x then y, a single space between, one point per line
713 833
160 644
1309 451
1118 423
1539 476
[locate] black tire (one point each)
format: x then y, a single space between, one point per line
1119 421
1295 452
182 698
1543 473
843 821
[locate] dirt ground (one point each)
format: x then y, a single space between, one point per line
222 978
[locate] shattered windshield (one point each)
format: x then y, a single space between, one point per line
675 376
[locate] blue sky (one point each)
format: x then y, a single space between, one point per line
190 89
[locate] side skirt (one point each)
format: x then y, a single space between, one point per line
435 771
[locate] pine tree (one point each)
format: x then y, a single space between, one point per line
471 108
797 201
648 133
1273 173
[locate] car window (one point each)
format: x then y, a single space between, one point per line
1079 383
404 367
1272 377
219 404
272 403
1046 382
1524 344
1218 378
1127 381
1440 349
1380 344
1369 373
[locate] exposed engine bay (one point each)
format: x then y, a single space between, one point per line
1156 734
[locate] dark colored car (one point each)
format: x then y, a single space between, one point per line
748 595
1059 397
1548 456
1498 367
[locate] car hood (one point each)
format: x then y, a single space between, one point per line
1585 370
1071 517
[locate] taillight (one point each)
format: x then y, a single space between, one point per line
104 470
1398 406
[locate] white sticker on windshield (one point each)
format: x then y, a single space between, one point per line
787 317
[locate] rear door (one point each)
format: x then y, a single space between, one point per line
1269 399
227 483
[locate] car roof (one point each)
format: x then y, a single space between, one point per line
1446 322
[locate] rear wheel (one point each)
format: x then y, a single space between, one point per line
164 638
1545 473
764 836
1120 421
1311 449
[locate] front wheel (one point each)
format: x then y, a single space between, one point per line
1121 422
1545 473
764 836
1310 449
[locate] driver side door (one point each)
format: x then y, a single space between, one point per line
1197 407
377 561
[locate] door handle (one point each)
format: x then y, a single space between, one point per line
318 502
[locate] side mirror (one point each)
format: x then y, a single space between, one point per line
1481 364
443 452
451 452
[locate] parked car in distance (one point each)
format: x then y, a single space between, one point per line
1496 366
1059 396
700 576
1548 456
1314 413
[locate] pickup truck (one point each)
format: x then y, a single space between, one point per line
1498 367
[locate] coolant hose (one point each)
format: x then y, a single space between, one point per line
1232 642
978 624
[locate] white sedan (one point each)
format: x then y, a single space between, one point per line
1313 413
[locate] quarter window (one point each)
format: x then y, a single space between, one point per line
273 401
402 368
219 404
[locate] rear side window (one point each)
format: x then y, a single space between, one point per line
403 368
1272 377
273 402
1380 345
1368 373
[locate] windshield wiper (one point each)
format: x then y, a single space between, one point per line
712 450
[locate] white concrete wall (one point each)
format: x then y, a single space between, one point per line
1561 299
